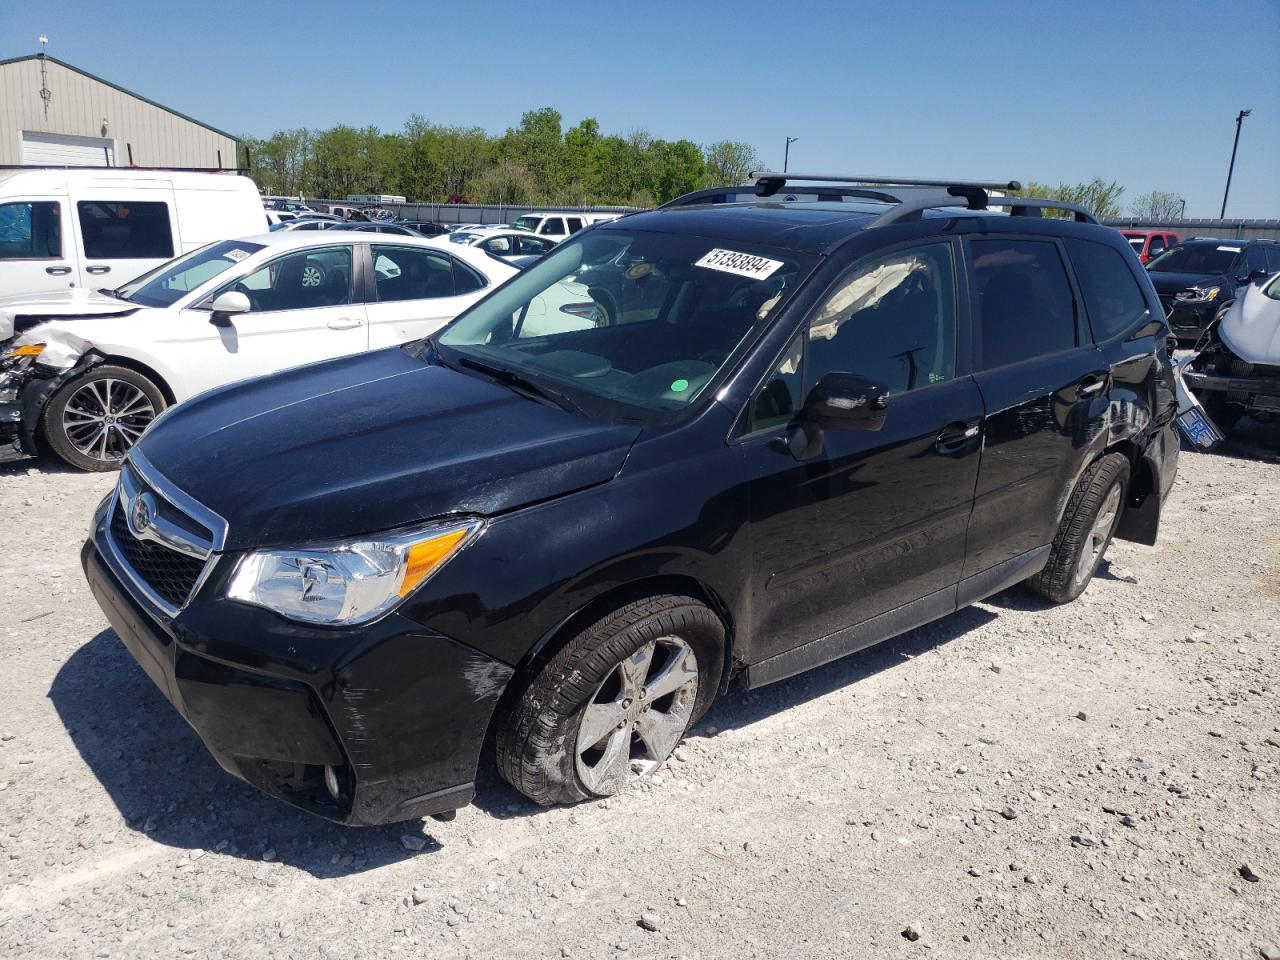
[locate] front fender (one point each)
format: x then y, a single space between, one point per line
37 392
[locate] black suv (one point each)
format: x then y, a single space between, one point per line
1198 279
709 444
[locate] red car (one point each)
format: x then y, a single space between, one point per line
1149 244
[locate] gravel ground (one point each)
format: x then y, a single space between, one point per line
1017 780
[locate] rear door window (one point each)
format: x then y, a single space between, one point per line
553 227
1112 297
125 229
411 273
1255 260
575 224
1025 305
30 230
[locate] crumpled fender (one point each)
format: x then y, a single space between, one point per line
62 350
1251 326
38 390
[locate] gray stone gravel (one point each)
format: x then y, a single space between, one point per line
821 817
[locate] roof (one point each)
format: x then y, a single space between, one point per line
805 226
54 177
116 86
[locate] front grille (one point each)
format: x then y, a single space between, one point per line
171 575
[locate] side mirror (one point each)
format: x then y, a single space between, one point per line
226 305
839 401
846 401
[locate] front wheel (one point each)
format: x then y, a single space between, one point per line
94 419
1087 526
612 705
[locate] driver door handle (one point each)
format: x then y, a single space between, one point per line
345 323
57 271
957 437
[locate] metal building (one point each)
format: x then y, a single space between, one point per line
54 113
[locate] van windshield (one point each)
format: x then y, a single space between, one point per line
170 282
628 324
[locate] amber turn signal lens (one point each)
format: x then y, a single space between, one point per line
30 350
426 556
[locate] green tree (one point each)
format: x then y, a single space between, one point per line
1158 205
729 162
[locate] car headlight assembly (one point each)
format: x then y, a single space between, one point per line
1198 294
352 582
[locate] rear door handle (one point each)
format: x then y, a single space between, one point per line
345 323
98 268
1092 385
957 436
57 271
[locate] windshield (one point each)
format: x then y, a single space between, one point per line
1136 243
527 223
629 323
170 282
1196 258
461 236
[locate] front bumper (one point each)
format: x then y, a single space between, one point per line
11 432
1261 393
397 713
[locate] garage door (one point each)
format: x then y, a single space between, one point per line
57 150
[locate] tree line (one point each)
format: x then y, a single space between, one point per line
542 163
537 162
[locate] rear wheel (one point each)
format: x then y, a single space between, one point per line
94 419
612 705
1087 526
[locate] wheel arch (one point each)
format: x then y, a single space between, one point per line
1141 516
554 639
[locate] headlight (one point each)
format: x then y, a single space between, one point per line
351 582
1198 294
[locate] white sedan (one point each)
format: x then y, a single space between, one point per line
89 380
499 241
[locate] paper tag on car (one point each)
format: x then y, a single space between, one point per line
1232 249
236 255
742 264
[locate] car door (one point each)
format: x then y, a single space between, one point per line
417 290
302 311
123 233
874 525
37 247
1045 387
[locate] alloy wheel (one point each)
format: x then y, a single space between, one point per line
637 715
104 418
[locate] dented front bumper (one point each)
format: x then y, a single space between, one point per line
395 712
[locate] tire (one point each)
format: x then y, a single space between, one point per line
541 743
1088 524
97 399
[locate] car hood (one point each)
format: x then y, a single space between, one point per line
21 312
1251 328
372 442
1169 282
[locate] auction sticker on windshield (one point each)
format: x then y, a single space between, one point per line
236 254
742 264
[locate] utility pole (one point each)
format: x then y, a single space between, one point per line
786 154
1239 120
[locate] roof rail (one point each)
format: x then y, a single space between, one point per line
98 166
768 183
970 194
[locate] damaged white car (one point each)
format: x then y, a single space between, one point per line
83 374
1236 369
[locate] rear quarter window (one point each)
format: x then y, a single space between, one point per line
1113 299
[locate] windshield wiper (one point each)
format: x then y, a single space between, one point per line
113 293
522 384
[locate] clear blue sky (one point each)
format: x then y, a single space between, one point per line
1143 93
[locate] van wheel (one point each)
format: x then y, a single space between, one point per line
1086 529
94 419
613 704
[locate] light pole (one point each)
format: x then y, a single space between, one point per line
786 154
1239 120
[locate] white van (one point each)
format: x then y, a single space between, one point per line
102 228
557 226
